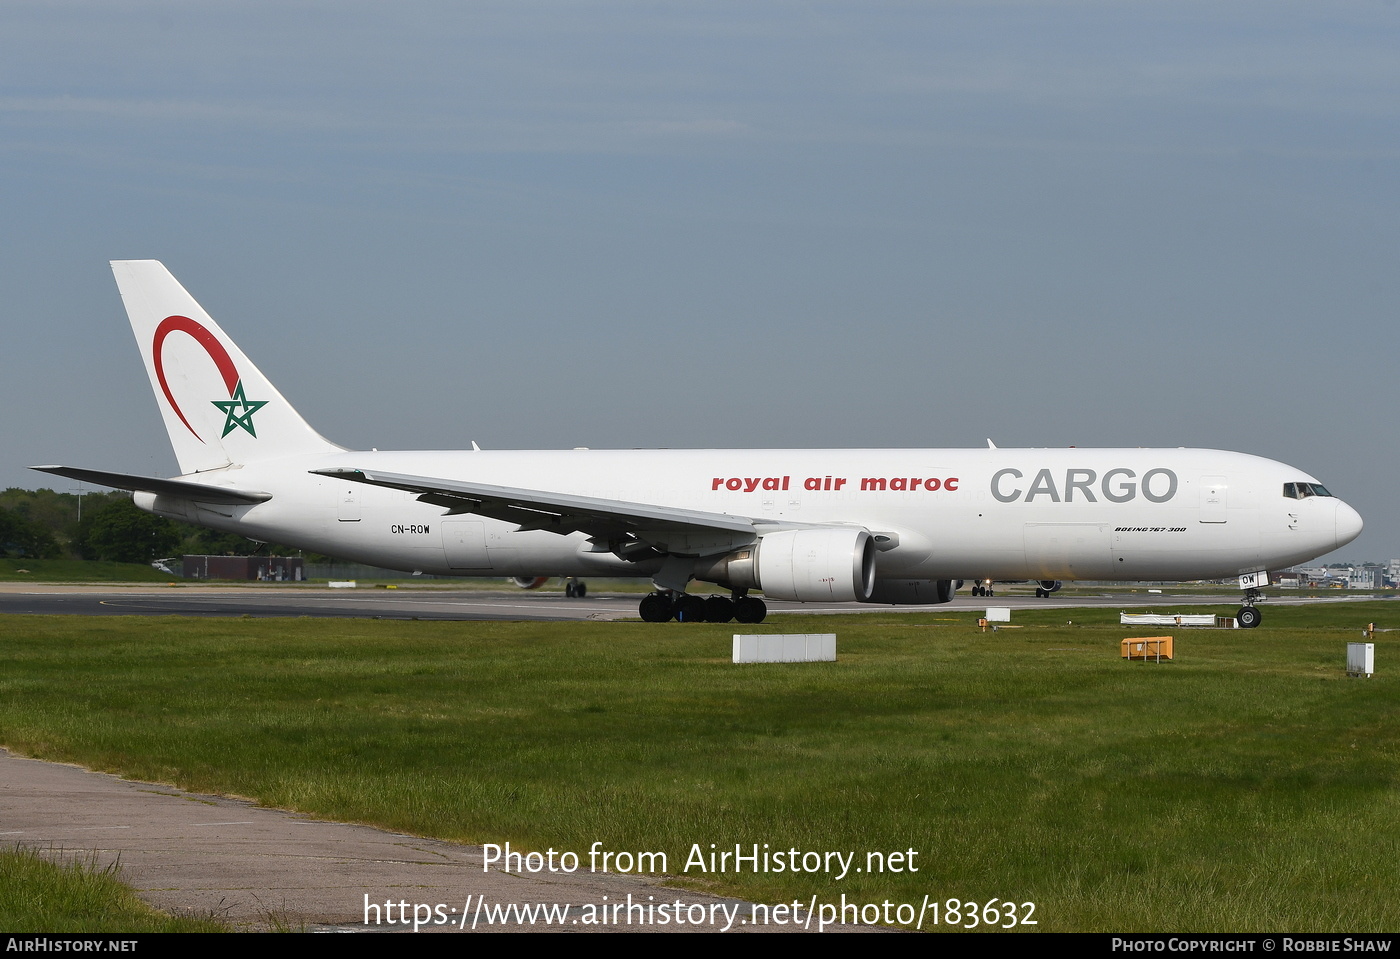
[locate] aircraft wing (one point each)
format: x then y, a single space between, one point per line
183 489
670 530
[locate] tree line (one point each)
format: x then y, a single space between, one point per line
44 524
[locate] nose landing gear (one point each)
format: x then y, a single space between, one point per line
1249 616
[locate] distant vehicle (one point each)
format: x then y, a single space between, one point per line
896 526
573 586
986 587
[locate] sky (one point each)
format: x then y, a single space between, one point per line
787 224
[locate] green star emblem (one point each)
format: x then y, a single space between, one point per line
243 419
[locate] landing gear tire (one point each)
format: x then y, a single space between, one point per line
690 609
719 609
750 610
569 590
656 608
1248 617
580 591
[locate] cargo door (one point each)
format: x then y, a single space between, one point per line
464 544
1068 551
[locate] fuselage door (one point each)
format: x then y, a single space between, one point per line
1068 551
348 503
464 544
1215 492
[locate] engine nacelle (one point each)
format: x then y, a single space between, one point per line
529 582
806 565
913 592
817 565
1050 585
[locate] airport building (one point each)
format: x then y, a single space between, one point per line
268 569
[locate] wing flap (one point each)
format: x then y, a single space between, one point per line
691 531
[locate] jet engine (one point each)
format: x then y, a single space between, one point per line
832 565
529 582
913 592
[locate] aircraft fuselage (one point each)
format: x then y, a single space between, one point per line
1071 514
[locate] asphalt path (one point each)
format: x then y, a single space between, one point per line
259 868
478 604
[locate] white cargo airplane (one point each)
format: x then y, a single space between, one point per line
814 526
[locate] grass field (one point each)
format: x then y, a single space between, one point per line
37 895
1247 786
77 570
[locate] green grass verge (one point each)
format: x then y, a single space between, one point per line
37 895
1247 786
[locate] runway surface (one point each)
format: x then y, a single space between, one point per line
291 601
480 604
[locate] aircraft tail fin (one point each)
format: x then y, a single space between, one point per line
219 408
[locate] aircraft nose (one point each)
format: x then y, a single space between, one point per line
1349 524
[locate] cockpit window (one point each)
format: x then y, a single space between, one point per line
1304 490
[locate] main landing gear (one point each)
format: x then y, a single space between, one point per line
1249 616
665 606
575 588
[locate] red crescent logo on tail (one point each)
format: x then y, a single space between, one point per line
211 345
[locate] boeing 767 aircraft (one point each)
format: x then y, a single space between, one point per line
900 526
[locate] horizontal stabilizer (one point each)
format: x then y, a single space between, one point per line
197 492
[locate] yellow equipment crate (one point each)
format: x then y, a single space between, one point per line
1155 648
